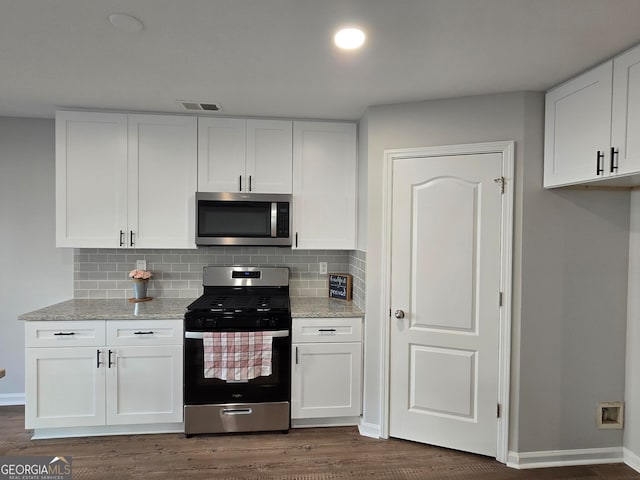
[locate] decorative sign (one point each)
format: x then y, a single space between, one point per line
340 285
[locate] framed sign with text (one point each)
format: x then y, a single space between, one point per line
340 285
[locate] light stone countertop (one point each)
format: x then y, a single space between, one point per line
310 307
111 309
174 308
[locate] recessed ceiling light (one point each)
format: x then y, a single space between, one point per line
126 23
349 38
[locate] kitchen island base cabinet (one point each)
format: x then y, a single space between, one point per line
326 381
83 379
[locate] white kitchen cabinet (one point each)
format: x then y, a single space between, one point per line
625 127
100 373
326 382
577 128
324 185
125 180
244 155
162 176
64 387
145 385
91 178
592 124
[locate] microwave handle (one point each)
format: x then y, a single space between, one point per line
274 219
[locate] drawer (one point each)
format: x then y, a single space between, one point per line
144 332
310 330
65 333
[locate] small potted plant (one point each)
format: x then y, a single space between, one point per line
140 281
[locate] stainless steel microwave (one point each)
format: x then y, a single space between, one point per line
243 219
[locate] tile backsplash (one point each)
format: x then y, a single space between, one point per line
103 273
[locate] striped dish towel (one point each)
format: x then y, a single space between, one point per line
237 356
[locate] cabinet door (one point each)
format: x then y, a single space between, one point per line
65 387
577 127
326 380
324 185
625 127
162 181
91 179
269 156
144 385
221 155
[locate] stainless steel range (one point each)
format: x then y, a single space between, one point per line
237 352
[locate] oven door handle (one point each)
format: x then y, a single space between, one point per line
200 335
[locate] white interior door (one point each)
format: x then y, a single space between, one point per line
446 217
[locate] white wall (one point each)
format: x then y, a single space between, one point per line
632 393
33 272
568 312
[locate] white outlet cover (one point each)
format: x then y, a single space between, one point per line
141 264
323 268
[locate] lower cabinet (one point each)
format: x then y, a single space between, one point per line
103 373
326 380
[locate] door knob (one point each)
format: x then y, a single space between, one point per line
399 313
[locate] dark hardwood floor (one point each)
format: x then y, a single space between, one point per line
303 454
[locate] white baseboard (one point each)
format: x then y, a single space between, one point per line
369 429
99 431
324 422
565 458
631 459
11 399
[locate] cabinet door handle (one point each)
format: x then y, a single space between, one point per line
240 182
599 156
143 333
296 355
614 160
98 362
131 242
58 334
121 238
110 362
249 182
296 239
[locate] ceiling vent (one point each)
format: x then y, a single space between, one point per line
200 107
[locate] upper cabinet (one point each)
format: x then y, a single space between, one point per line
625 127
125 180
162 179
244 155
324 185
592 125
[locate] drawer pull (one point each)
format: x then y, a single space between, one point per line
237 411
326 329
57 334
143 333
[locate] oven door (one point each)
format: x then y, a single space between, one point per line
199 390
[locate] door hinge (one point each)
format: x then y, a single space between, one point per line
499 299
498 411
501 181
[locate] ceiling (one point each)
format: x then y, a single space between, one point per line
276 58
